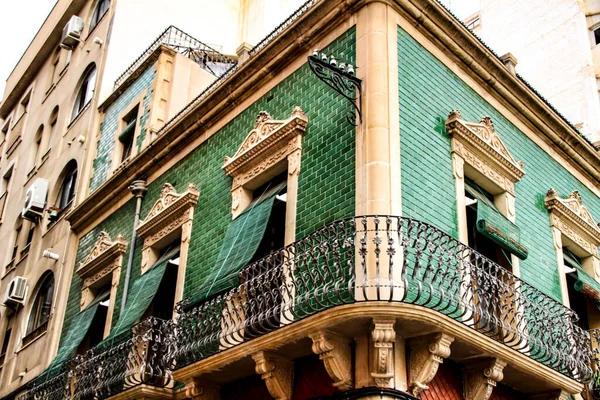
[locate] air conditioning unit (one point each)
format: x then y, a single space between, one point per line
72 32
35 200
16 292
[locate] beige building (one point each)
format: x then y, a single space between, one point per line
556 44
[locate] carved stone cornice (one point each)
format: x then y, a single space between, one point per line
481 147
426 354
481 378
384 338
169 207
334 350
268 143
573 219
277 372
103 255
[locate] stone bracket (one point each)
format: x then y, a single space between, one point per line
426 354
196 389
334 350
277 372
384 337
481 378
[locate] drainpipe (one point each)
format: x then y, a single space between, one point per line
138 189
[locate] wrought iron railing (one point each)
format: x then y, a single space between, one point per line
208 58
358 259
593 389
111 368
391 259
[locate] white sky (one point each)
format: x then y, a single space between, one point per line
19 22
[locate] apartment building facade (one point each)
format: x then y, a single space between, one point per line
368 203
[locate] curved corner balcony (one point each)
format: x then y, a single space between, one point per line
359 267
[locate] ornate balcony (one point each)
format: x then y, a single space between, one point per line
375 259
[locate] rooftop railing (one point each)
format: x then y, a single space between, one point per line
384 259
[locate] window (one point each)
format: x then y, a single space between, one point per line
97 330
101 9
4 131
42 306
25 102
577 300
15 249
597 36
52 123
66 192
53 68
5 343
163 302
37 143
4 187
127 135
28 241
85 92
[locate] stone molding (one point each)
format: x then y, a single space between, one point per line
270 142
426 355
104 257
481 148
336 354
481 378
573 219
169 207
277 372
554 395
383 336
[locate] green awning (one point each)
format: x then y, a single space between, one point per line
80 324
495 226
140 296
127 132
242 239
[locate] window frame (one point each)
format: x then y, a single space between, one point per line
98 16
69 174
85 91
38 325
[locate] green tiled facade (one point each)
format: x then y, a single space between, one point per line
326 182
110 124
428 91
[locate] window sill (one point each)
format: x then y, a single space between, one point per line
30 175
34 335
10 267
13 146
77 117
45 157
22 257
61 215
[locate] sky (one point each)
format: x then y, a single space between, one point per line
19 22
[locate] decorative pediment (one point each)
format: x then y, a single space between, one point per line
104 254
574 219
268 138
481 147
170 207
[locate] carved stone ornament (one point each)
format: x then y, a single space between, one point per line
426 354
195 389
170 211
103 258
384 338
481 378
277 372
482 149
270 142
335 352
574 220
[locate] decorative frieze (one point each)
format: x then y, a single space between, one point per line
426 354
104 257
383 336
334 350
481 378
481 148
573 219
277 372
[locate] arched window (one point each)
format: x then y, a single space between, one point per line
67 186
99 11
52 124
37 144
40 312
85 92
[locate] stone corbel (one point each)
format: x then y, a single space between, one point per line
481 379
426 354
195 389
334 350
277 372
384 337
